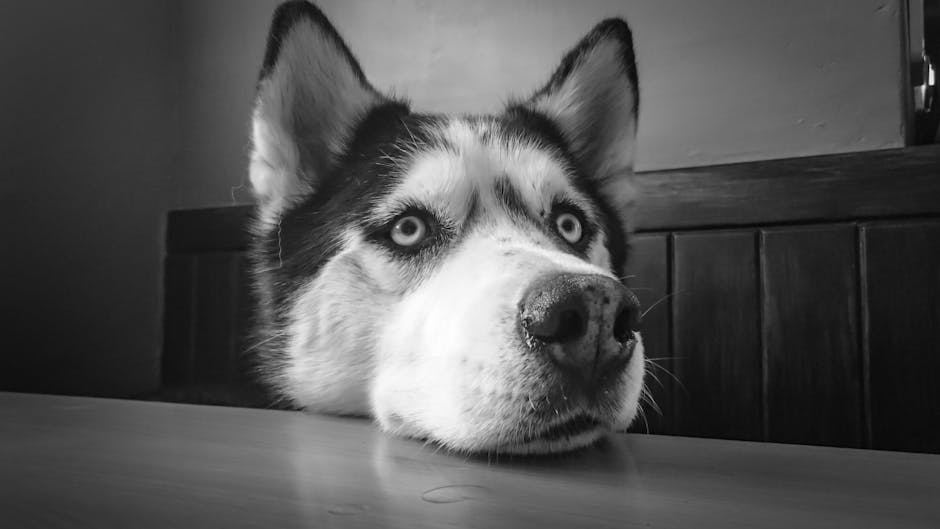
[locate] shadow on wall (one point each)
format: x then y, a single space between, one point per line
87 140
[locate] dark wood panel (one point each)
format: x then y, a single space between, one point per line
244 319
647 275
216 316
865 185
179 291
897 182
903 290
810 301
717 335
208 230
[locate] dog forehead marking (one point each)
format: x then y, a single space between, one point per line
468 164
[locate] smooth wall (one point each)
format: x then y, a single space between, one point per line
87 141
720 81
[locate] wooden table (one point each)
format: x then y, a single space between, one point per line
84 462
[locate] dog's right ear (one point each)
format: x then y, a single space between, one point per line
593 97
311 93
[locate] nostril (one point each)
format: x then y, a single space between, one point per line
571 325
558 326
625 324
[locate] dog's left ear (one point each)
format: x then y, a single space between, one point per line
311 94
593 98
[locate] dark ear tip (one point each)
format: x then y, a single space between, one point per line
289 13
285 17
616 28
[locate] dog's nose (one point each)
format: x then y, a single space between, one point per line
585 322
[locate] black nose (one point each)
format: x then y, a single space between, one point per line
584 322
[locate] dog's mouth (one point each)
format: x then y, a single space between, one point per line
575 432
571 427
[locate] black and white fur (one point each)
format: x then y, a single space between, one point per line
426 339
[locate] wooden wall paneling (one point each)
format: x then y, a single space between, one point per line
179 297
810 334
716 335
839 187
216 315
903 291
647 275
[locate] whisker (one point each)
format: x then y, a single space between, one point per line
656 378
656 407
674 377
280 250
658 301
652 401
274 336
414 141
233 189
643 416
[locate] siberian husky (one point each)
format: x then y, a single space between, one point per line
456 278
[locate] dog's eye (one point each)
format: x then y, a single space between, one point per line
409 231
569 226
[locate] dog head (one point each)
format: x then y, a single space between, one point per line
456 278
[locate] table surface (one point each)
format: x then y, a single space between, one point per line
84 462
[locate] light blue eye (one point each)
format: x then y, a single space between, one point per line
409 231
569 227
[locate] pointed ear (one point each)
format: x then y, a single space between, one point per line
311 93
593 98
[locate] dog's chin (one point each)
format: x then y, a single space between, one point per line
578 431
569 435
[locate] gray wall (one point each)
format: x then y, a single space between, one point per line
721 81
86 143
